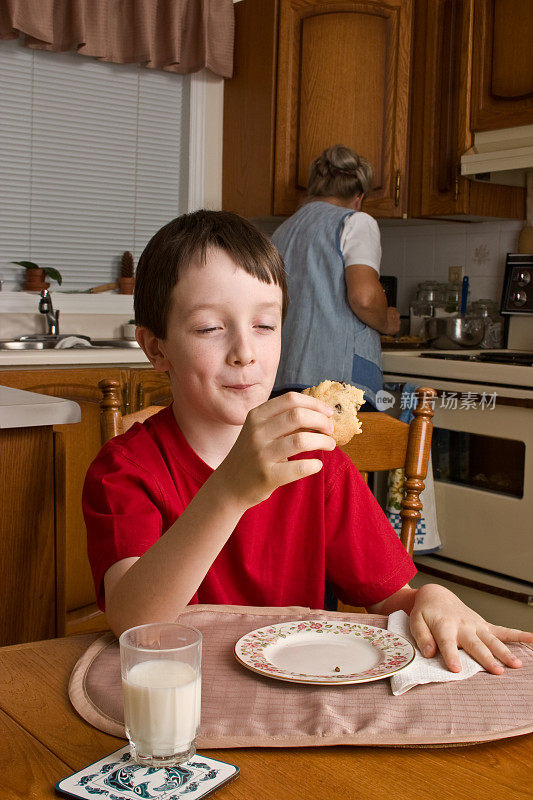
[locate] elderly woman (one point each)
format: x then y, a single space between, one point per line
332 252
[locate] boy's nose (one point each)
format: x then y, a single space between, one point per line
241 352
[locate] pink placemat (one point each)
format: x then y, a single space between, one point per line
243 709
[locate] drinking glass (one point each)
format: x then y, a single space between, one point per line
161 684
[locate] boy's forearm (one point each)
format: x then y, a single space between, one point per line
402 600
159 585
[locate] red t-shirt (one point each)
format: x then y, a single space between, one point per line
327 525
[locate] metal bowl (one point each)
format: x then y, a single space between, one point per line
453 333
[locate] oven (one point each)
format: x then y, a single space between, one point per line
482 454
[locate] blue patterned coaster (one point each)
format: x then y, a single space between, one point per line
118 777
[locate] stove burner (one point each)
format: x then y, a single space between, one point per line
513 358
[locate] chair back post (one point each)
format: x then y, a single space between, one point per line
111 416
416 464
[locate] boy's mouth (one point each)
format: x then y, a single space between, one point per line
240 386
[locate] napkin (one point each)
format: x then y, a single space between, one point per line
72 341
425 670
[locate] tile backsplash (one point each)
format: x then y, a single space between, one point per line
424 251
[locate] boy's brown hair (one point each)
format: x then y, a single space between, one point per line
187 239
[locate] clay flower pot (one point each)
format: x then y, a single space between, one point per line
35 280
126 285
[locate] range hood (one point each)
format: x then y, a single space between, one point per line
502 156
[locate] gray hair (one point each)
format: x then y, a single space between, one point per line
339 172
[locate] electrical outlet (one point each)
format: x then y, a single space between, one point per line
456 274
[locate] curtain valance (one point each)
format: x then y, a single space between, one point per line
174 35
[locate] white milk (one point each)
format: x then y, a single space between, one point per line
162 706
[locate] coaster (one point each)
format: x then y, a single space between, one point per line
118 777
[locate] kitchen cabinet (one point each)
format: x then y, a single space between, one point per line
27 536
446 43
405 84
74 447
149 388
27 591
502 78
309 74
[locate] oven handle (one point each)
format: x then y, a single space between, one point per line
520 597
517 402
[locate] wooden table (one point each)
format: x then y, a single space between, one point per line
43 740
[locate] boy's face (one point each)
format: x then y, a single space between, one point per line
223 340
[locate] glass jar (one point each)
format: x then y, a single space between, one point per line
419 312
430 292
489 311
452 303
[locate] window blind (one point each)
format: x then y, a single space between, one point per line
93 160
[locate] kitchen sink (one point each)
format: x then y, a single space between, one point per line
17 344
49 342
115 343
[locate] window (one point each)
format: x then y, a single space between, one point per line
93 160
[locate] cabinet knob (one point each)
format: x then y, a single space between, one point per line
456 183
397 188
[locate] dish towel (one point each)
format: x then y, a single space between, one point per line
72 341
425 670
427 539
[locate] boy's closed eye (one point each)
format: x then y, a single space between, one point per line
212 328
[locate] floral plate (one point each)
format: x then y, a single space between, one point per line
324 652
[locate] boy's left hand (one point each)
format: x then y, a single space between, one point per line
440 620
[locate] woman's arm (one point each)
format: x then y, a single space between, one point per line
367 299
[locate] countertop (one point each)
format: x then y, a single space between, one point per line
20 409
83 356
407 363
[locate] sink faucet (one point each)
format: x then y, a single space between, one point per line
52 317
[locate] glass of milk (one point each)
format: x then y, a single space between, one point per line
161 683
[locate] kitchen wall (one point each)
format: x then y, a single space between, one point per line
417 251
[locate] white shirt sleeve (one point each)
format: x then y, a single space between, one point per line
361 241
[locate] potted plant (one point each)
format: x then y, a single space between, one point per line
36 276
128 330
126 282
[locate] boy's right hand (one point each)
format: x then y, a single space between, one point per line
284 426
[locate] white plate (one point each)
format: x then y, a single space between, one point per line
324 652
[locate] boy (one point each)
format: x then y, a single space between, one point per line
228 497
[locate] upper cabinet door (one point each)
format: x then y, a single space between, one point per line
343 78
502 80
440 123
440 119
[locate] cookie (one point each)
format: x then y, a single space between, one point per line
345 400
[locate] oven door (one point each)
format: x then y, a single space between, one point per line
482 453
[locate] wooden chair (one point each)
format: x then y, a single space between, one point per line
112 422
387 443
